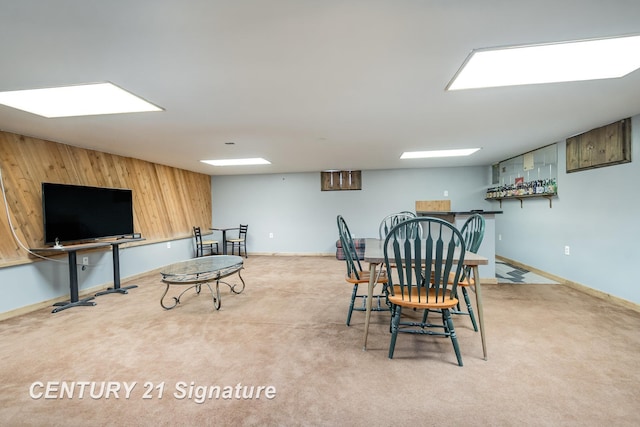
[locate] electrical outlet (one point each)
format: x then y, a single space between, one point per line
499 236
567 251
446 193
271 235
85 260
168 245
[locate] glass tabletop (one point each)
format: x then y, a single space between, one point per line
202 265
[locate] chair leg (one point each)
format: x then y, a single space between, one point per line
470 309
352 303
395 324
448 324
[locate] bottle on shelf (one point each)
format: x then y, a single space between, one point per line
531 188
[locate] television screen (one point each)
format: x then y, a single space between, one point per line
74 213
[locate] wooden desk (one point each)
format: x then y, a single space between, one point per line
374 255
71 251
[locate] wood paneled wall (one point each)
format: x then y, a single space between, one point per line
167 202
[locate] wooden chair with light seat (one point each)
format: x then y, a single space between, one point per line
239 242
204 246
435 250
472 232
357 276
391 220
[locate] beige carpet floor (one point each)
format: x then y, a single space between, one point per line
557 357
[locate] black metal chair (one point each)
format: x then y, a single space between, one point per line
204 246
239 242
423 248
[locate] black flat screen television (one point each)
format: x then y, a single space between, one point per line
75 213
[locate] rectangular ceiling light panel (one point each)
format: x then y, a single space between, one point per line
237 162
77 100
438 153
549 63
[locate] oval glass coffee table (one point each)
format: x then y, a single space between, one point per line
202 271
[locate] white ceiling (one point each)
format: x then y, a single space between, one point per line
309 85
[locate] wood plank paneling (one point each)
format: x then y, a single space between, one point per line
167 202
433 205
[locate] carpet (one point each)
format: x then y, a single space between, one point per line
556 357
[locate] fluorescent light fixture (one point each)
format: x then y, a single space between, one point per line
78 100
237 162
438 153
549 63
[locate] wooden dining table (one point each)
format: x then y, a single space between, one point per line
374 255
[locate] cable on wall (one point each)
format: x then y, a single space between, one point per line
15 236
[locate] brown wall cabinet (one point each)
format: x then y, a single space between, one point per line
605 146
340 180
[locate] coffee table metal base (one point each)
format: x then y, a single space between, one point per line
196 282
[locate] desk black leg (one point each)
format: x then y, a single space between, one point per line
73 288
116 274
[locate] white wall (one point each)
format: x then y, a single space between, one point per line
594 214
302 218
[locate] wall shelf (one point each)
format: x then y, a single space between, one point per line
529 175
523 197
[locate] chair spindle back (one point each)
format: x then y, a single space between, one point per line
391 221
348 247
425 251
